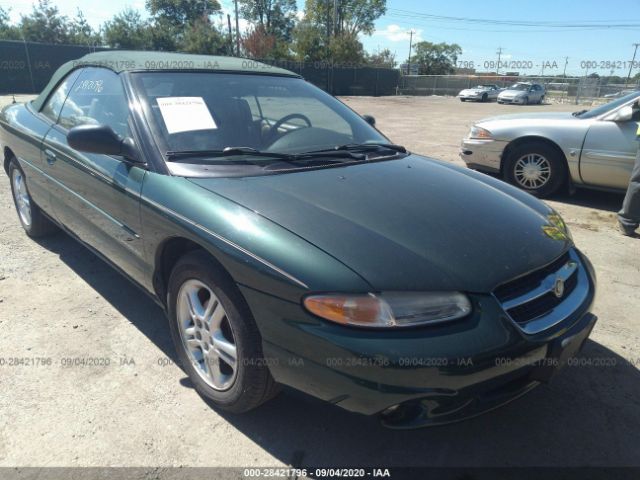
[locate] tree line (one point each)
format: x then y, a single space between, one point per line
326 32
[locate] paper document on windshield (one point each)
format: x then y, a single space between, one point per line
185 114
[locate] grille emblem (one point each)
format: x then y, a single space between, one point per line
558 288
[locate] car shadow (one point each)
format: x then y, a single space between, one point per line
598 199
126 297
588 415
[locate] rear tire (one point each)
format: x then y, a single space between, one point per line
536 168
485 97
33 221
541 100
526 101
216 337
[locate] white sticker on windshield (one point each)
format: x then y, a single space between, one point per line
185 114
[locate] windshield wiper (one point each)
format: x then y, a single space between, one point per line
354 147
178 155
579 112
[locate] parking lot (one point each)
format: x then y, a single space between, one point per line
134 407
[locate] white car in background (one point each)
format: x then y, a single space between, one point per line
522 93
482 93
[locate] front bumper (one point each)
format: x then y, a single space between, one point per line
512 100
470 96
483 155
419 376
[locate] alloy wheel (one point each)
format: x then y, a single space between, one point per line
532 171
207 335
21 197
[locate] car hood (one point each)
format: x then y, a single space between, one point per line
406 224
473 91
512 93
532 116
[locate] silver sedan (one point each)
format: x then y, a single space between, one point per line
543 152
482 93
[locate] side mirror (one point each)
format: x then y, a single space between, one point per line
625 114
102 139
370 120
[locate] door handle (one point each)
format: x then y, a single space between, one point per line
50 156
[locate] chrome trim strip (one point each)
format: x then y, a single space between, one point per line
546 286
227 241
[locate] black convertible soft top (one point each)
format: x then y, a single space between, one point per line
127 60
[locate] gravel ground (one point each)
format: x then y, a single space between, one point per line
135 408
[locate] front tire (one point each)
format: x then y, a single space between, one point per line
485 97
536 168
215 335
33 221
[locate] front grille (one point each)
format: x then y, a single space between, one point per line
532 297
522 285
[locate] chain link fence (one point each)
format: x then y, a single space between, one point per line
26 67
578 90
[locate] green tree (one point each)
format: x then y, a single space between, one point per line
384 57
272 17
45 24
346 48
436 58
127 30
309 42
182 12
7 31
349 16
202 37
81 33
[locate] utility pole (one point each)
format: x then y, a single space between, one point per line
632 62
237 31
230 34
410 46
566 62
499 52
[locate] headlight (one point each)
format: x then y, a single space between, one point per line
479 132
389 309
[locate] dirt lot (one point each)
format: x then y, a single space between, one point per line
58 301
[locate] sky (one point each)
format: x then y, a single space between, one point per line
599 47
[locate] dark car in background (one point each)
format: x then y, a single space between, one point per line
290 242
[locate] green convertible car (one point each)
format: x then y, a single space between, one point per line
290 243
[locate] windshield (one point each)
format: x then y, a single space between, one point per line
203 111
520 86
607 107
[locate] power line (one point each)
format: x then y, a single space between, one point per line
519 23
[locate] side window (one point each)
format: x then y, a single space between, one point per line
55 101
97 97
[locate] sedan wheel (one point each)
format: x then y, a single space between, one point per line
216 338
207 335
532 171
536 167
21 197
33 221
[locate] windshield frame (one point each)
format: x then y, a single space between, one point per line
353 118
607 108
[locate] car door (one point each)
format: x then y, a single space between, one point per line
97 196
609 153
30 128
